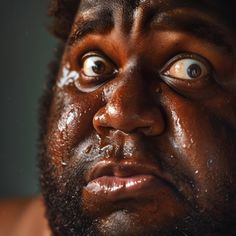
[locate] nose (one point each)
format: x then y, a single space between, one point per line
130 108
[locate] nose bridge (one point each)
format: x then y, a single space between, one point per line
130 107
130 98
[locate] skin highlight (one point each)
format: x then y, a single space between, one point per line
125 104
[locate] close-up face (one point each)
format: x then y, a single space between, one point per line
141 128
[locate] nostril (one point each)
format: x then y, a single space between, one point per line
149 122
100 121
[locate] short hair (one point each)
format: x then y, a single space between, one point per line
63 13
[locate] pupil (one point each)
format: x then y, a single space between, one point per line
98 67
194 71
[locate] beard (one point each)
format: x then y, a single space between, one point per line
65 210
62 196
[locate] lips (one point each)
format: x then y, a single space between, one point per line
118 181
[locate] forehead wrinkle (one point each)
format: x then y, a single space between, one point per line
184 17
192 21
132 17
123 11
129 14
148 8
145 10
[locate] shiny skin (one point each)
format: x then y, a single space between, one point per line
186 130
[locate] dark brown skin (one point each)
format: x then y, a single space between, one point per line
146 114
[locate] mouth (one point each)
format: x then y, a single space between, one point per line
119 181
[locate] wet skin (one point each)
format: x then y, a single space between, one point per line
142 125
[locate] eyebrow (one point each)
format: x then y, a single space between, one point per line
204 29
100 23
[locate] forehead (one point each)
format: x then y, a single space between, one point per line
219 6
160 3
202 18
126 12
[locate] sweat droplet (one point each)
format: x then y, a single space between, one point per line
209 162
63 163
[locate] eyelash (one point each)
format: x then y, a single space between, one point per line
185 55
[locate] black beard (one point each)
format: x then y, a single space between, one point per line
64 206
62 196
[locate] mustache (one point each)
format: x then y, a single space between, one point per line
95 150
131 148
122 148
117 146
118 150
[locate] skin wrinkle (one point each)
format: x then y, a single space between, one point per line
64 11
201 25
193 149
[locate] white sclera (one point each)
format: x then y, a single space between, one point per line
179 69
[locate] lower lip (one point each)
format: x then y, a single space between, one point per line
118 188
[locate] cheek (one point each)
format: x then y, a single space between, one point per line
204 144
70 121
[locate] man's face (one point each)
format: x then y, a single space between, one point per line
142 125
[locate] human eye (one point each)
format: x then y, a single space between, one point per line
95 69
187 71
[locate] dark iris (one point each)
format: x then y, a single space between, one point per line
194 71
98 67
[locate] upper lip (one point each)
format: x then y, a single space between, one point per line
124 170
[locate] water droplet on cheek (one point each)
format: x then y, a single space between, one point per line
192 184
71 116
209 163
67 118
63 163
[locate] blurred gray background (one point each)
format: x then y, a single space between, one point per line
26 50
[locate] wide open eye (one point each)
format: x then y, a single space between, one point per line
189 74
94 65
95 69
187 68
